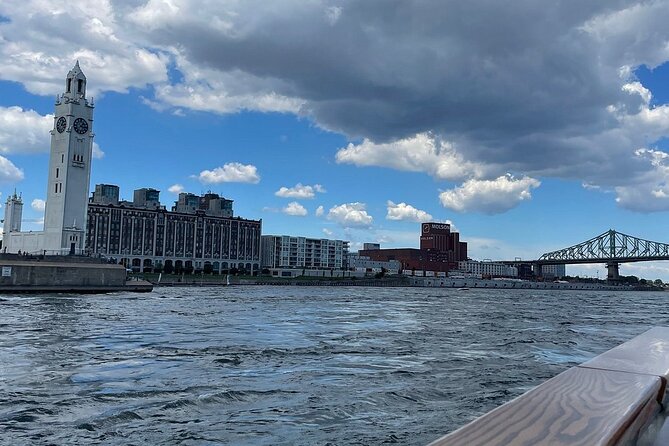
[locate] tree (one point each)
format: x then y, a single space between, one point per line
659 282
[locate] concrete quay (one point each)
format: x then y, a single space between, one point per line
64 274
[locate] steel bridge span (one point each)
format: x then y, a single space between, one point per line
611 248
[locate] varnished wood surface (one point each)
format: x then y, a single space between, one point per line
647 353
581 406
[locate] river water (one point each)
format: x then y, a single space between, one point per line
261 365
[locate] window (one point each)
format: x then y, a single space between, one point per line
62 158
80 84
56 172
56 189
69 85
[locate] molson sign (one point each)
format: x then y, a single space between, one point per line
436 228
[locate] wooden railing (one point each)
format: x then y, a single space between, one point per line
616 399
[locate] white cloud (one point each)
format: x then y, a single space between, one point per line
176 188
231 173
419 153
294 208
505 109
651 193
24 131
489 196
9 173
403 211
327 232
638 88
320 211
38 204
332 14
97 151
299 191
40 41
350 215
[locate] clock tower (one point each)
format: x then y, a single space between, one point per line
69 168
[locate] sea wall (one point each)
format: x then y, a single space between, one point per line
447 282
22 274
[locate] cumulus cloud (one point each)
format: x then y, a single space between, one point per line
295 209
542 92
9 173
231 173
320 210
97 151
652 193
299 191
350 215
39 41
38 204
489 196
24 131
327 232
176 188
419 153
403 211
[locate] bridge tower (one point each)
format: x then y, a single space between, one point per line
613 272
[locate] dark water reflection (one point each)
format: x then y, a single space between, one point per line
275 365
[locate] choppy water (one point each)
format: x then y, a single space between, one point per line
290 365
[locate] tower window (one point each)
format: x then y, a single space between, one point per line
69 85
56 172
80 84
56 188
62 158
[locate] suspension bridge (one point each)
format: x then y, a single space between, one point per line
611 248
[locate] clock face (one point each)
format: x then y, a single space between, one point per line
61 124
80 126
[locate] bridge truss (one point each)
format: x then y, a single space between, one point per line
610 247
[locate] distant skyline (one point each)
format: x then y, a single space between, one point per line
529 127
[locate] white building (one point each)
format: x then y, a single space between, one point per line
356 262
553 271
283 251
490 269
69 178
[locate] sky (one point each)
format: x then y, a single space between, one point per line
530 126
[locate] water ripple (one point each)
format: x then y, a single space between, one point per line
290 366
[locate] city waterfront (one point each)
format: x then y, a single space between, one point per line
276 365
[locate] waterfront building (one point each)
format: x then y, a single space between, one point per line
144 236
284 251
553 271
438 238
68 178
487 269
440 250
357 262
